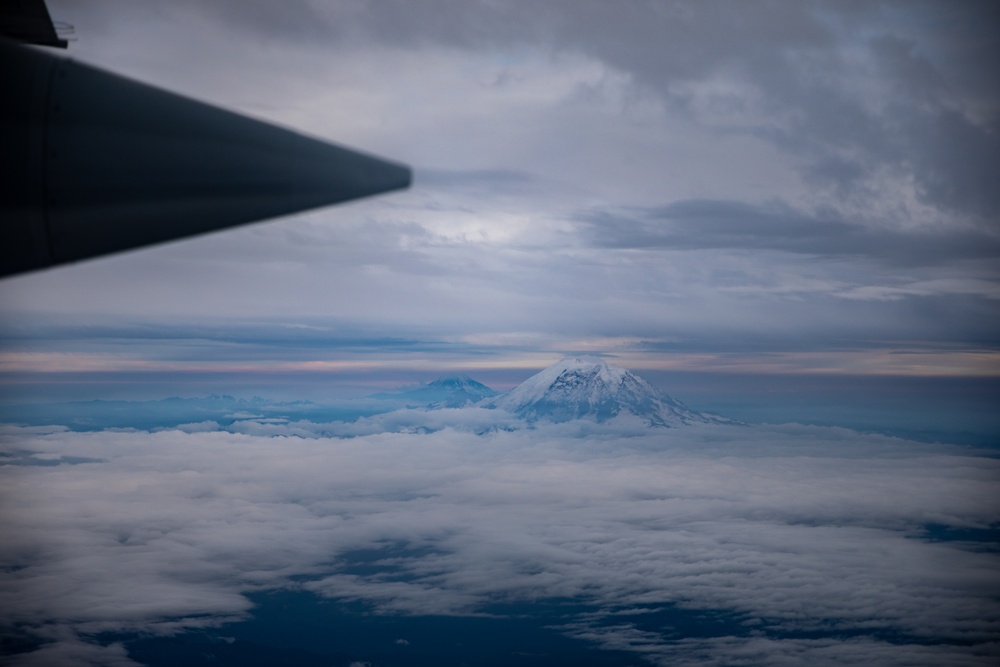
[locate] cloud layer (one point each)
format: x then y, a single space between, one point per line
586 174
813 542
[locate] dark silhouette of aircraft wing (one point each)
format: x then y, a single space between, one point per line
94 163
28 22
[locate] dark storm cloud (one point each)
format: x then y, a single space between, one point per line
793 53
665 38
858 92
699 224
954 159
915 116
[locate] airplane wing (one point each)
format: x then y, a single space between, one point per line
28 22
95 163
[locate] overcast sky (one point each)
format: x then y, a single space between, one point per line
780 186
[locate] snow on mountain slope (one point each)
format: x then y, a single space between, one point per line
590 388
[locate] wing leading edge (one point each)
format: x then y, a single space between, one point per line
95 163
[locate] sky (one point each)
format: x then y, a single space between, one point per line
776 188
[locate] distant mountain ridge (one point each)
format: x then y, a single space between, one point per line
583 388
452 391
590 388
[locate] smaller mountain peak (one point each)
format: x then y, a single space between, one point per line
454 381
450 391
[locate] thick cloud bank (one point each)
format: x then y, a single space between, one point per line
819 546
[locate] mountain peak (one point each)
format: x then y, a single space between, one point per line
450 391
454 381
590 388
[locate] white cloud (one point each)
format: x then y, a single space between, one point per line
472 419
837 113
795 529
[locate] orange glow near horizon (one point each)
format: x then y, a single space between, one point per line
879 362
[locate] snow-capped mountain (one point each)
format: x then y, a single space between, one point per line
453 391
590 388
